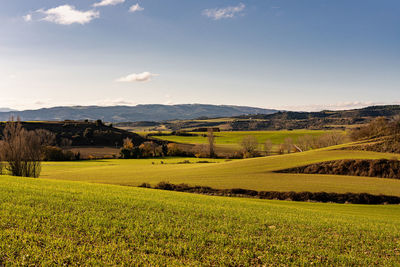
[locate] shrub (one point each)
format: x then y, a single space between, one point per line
133 153
179 151
249 146
200 151
373 168
53 153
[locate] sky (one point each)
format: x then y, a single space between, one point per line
285 54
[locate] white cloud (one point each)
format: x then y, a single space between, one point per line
108 3
115 102
67 15
137 77
27 18
336 106
224 13
135 8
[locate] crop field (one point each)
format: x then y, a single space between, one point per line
257 173
233 139
47 222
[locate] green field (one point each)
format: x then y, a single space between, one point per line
46 222
256 173
233 139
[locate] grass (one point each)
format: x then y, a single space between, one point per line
45 222
257 174
233 139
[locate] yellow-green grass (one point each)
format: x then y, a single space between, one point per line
233 139
257 173
46 223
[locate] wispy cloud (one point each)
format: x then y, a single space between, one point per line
137 77
224 13
135 8
67 15
115 102
27 17
336 106
108 3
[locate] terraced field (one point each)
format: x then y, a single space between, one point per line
256 173
47 222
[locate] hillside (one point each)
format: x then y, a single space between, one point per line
133 113
316 120
83 133
71 223
281 120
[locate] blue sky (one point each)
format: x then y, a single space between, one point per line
294 54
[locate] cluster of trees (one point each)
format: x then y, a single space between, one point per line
379 127
147 149
251 147
308 142
385 131
22 151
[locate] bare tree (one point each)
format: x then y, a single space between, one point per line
22 150
47 138
66 143
211 142
249 145
288 144
201 151
268 146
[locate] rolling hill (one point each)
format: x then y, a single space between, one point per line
280 120
133 113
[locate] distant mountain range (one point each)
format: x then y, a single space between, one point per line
133 113
6 110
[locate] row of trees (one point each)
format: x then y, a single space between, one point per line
251 147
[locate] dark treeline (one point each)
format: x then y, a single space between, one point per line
351 198
382 168
83 133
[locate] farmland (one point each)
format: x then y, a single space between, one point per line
256 173
46 222
92 212
233 139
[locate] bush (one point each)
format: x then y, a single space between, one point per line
382 168
53 153
249 145
178 151
131 153
355 198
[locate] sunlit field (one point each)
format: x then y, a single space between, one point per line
256 173
47 222
233 139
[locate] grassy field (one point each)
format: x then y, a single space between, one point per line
45 222
233 139
256 173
